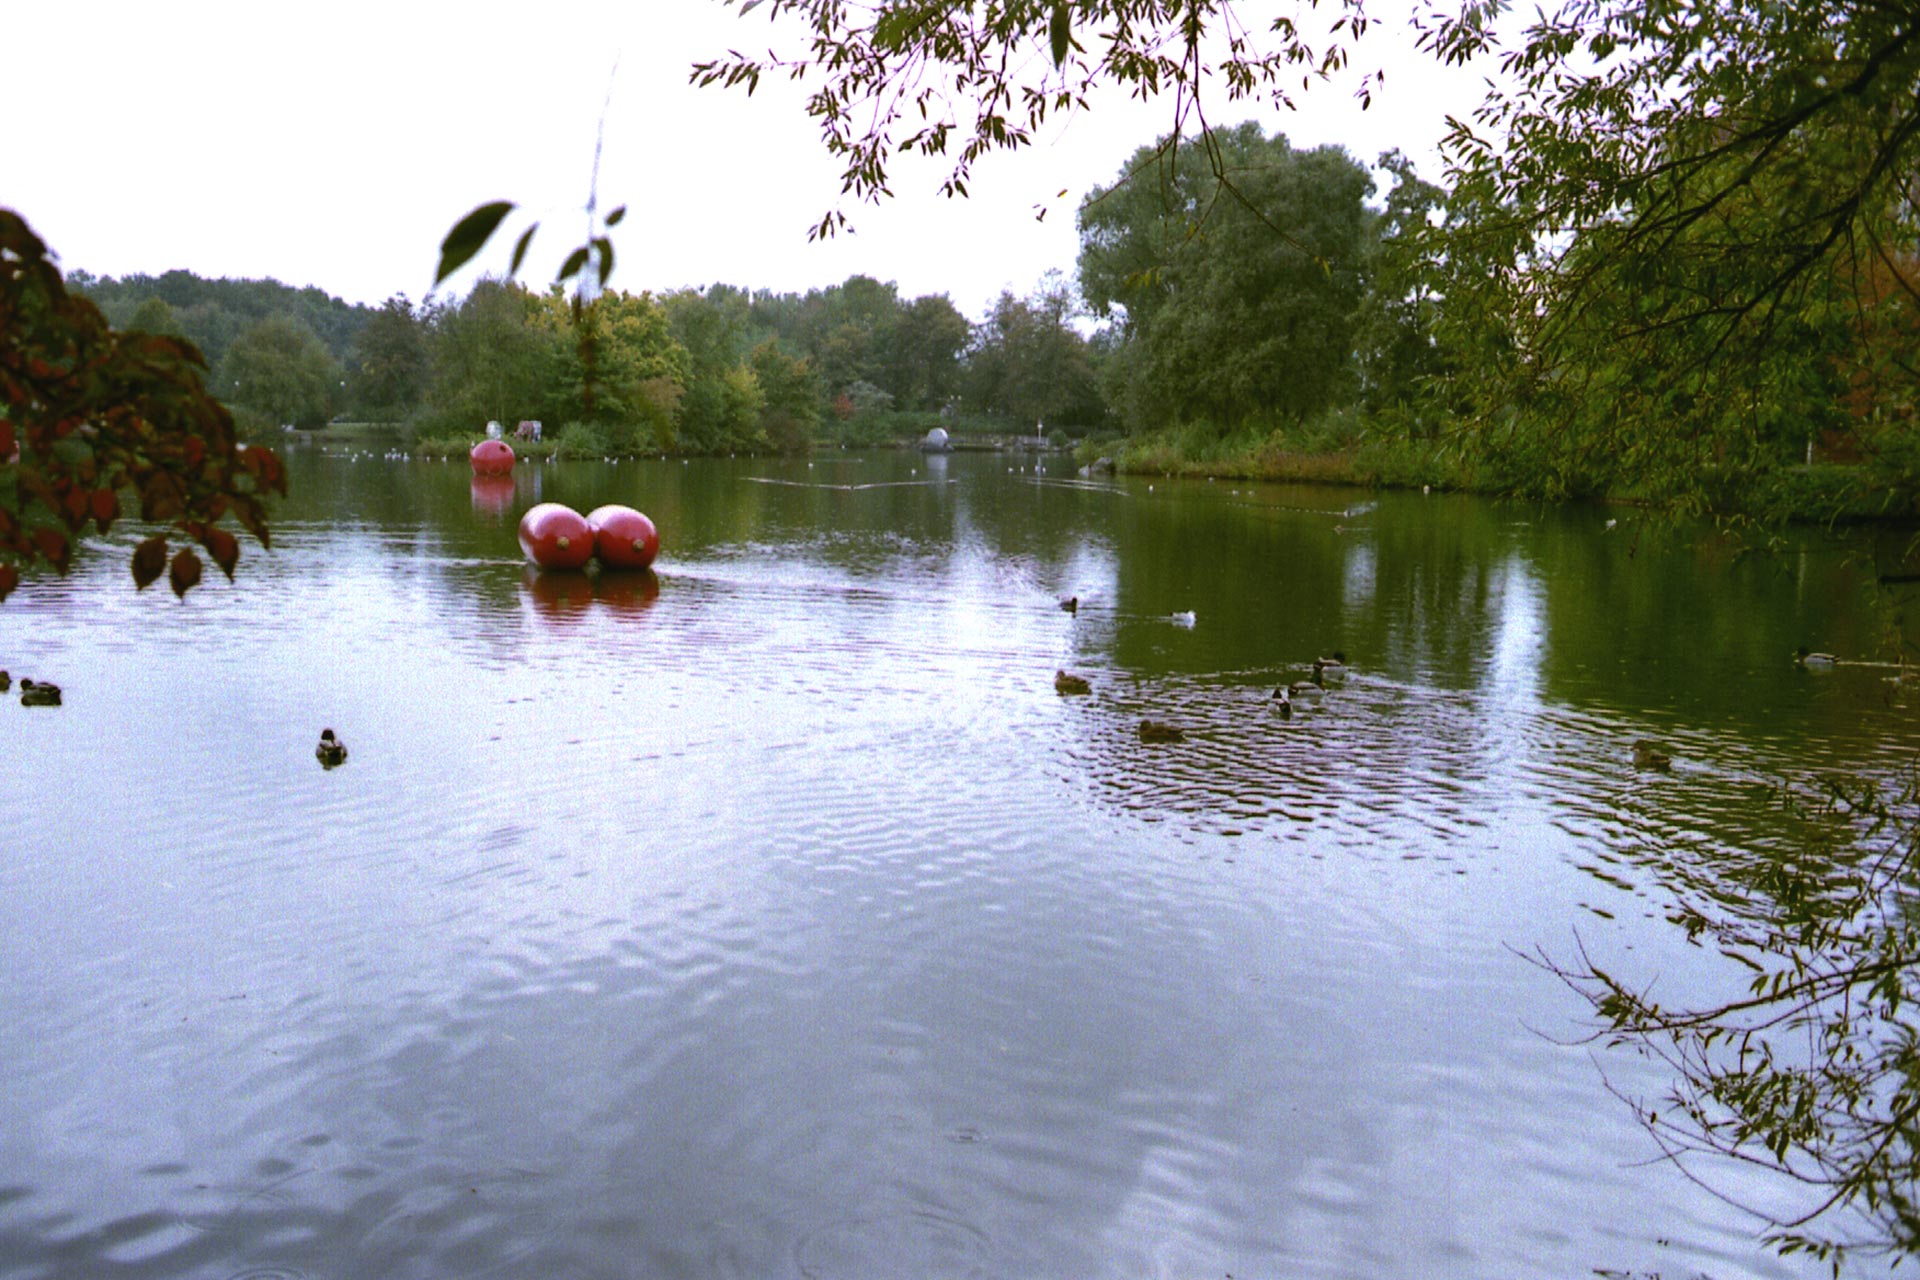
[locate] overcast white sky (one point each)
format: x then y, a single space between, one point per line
334 144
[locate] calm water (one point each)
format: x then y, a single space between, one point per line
774 917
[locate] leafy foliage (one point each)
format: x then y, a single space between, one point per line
280 368
955 80
87 413
1222 318
1030 365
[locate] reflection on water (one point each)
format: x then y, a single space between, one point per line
772 915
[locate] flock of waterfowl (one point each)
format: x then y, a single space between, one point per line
1647 754
1325 671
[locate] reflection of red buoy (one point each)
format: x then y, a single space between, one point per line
491 494
491 458
559 597
627 593
623 538
555 537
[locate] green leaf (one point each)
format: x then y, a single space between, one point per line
613 219
605 246
573 265
520 249
1062 33
891 29
469 236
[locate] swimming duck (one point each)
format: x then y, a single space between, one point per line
1806 659
1184 618
6 682
1071 604
1648 755
1156 731
1065 683
1282 703
38 693
1334 668
331 753
1306 689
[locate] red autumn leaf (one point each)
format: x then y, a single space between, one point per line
9 579
224 548
105 504
74 506
52 546
184 573
161 499
149 558
6 442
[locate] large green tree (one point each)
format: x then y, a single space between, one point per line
389 369
1236 304
1029 364
281 369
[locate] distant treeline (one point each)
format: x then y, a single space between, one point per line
1258 305
694 370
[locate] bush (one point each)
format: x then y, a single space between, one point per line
582 440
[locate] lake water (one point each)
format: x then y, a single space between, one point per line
774 917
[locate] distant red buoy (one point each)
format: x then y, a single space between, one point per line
555 537
491 458
623 538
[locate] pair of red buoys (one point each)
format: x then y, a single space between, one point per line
558 537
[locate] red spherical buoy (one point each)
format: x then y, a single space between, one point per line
555 537
491 458
623 538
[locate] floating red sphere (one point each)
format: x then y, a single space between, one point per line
491 458
555 537
622 537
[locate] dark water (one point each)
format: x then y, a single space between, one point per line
775 917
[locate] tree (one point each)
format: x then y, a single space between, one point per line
616 363
489 357
790 397
922 358
389 361
87 414
1222 319
281 369
1028 363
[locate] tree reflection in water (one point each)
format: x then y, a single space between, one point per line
1814 1070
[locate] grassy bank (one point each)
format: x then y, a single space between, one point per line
1343 451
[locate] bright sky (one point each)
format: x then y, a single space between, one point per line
334 144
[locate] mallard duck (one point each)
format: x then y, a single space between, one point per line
1065 683
1648 755
1334 668
1807 659
1155 731
38 693
1306 689
331 752
1071 604
1282 703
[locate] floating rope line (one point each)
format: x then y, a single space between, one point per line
849 488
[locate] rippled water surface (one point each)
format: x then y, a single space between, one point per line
775 917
